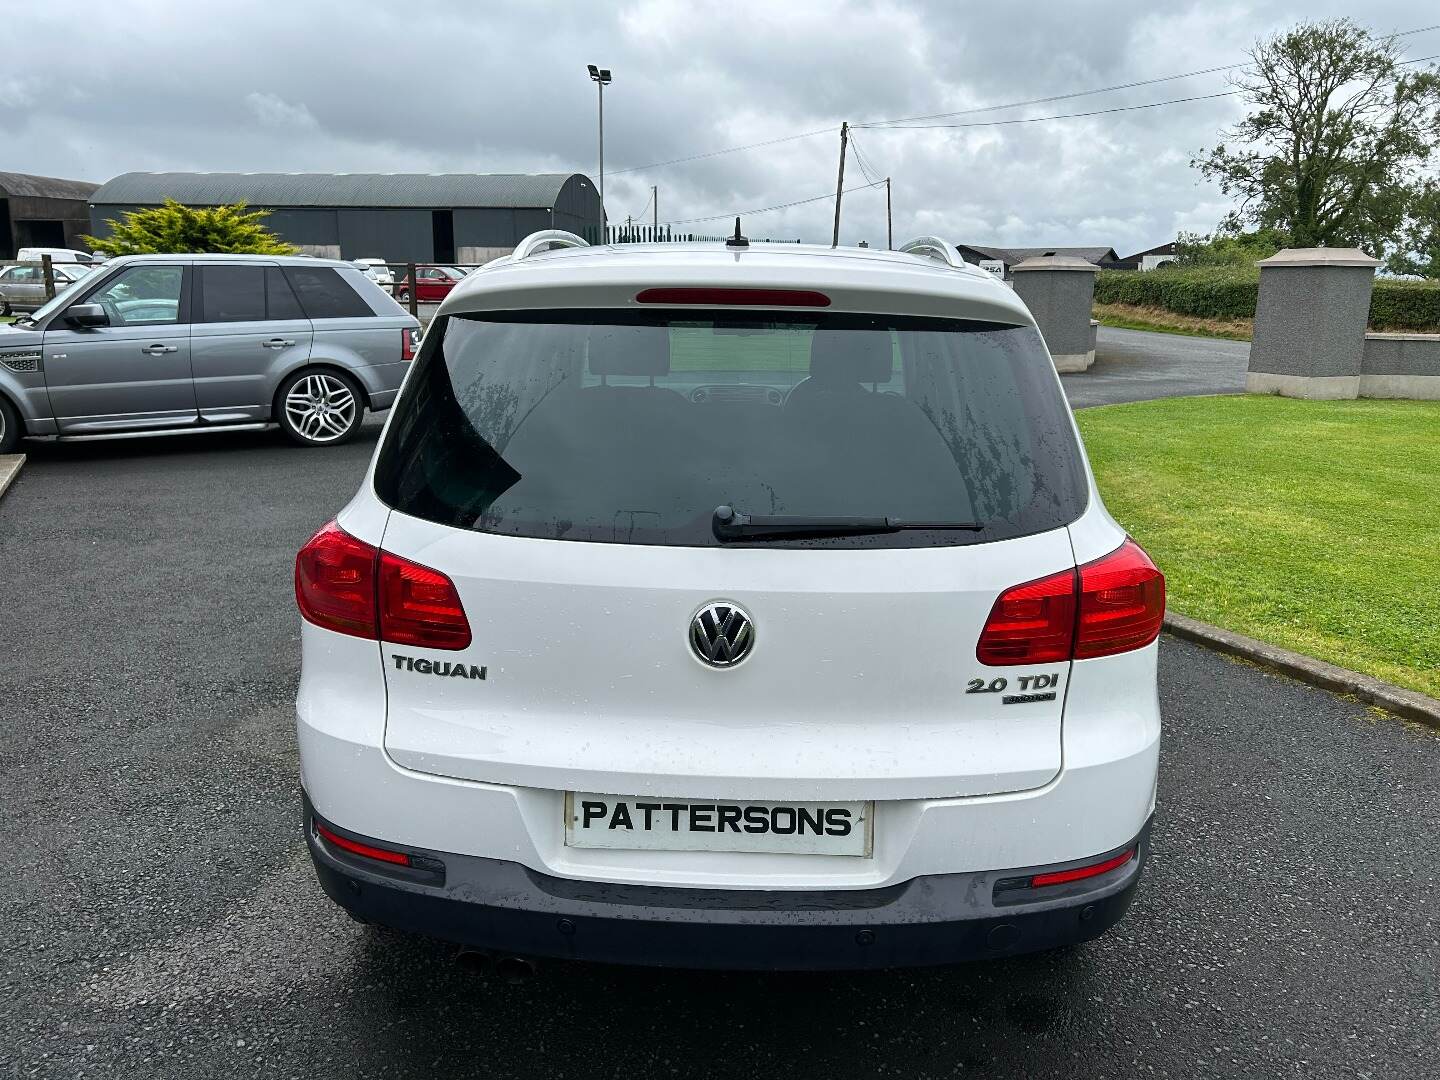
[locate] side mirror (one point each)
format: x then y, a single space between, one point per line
87 315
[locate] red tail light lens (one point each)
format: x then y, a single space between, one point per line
1111 605
1032 623
351 587
335 582
420 606
1122 603
409 343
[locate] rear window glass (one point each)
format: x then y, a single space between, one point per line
633 427
324 294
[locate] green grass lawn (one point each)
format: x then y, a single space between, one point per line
1311 525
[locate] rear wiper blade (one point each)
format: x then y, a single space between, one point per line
731 524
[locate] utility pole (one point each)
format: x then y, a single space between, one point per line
601 77
889 225
655 204
840 181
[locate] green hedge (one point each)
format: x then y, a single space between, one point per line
1406 305
1206 294
1230 294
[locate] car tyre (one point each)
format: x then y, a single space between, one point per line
9 426
4 307
319 407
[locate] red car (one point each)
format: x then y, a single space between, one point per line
435 283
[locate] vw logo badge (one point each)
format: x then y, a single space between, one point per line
722 634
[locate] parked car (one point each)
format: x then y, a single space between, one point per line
22 288
378 271
153 344
730 606
435 283
58 255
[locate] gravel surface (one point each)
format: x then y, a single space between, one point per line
1137 365
158 917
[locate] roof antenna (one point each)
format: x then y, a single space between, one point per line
737 240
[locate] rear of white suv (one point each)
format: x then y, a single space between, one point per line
730 607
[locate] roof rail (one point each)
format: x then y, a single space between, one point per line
546 240
932 247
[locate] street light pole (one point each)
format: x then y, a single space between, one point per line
602 78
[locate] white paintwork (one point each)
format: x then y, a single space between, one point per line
591 686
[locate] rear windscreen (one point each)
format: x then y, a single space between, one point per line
624 427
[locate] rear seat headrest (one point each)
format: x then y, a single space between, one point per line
629 350
851 356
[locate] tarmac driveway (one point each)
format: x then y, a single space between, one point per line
1136 365
158 916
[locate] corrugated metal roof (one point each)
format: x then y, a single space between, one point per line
23 185
335 189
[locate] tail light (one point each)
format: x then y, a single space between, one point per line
1122 603
409 344
351 587
1032 623
1111 605
419 606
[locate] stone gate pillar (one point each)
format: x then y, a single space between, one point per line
1310 321
1059 290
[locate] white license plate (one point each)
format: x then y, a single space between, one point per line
652 824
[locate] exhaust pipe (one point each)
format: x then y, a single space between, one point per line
515 969
473 961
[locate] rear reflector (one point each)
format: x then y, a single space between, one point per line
1080 873
354 847
1109 606
735 297
351 587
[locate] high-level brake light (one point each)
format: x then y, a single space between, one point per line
704 297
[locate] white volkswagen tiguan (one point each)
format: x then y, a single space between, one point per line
720 605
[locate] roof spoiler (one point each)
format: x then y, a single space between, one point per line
546 240
932 247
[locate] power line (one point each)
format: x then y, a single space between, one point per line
1059 116
767 209
880 124
727 150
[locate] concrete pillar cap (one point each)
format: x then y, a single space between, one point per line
1319 257
1055 262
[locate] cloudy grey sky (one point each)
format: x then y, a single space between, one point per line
359 86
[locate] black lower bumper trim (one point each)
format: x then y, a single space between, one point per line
666 938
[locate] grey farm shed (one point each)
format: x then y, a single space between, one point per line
399 217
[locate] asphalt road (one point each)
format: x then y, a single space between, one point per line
1136 365
158 917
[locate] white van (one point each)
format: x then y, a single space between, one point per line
58 255
730 605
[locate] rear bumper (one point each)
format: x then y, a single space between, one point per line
505 907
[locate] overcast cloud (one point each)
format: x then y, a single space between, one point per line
319 86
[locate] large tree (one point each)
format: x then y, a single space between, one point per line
176 229
1338 134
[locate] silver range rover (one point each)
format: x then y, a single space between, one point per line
155 344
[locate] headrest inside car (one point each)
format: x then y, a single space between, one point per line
851 356
629 350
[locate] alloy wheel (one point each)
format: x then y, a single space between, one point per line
320 407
